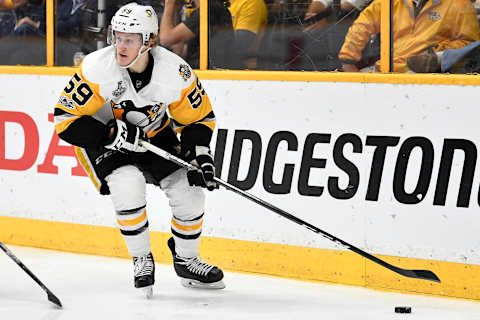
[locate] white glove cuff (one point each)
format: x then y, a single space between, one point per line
202 150
120 137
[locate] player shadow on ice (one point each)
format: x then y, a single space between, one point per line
200 300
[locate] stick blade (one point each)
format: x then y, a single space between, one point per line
422 274
52 298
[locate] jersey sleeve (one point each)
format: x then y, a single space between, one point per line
466 28
367 23
79 100
192 115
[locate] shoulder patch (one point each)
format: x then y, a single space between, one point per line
185 72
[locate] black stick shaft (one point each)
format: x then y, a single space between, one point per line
418 274
51 296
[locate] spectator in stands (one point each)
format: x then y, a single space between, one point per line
174 33
8 18
70 18
317 7
178 34
249 21
419 26
32 19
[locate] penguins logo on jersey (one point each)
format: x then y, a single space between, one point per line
140 117
185 72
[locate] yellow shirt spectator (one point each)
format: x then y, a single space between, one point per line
249 18
248 15
442 24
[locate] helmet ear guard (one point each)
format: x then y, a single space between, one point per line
110 36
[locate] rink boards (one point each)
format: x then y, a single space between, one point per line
390 168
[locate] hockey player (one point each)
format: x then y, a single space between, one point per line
121 95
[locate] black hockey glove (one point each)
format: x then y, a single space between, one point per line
124 137
203 176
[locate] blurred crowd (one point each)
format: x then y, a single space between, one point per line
313 35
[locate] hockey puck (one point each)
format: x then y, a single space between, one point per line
403 309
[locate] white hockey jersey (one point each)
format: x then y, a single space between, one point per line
103 90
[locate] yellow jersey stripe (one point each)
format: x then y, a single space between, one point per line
62 126
86 166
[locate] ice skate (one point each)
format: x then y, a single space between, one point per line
144 273
195 273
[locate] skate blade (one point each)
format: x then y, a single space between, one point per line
190 283
148 291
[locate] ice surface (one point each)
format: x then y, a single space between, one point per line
92 287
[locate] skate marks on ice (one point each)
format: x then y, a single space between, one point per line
92 287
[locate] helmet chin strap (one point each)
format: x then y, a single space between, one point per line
140 53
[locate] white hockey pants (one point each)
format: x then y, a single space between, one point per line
128 193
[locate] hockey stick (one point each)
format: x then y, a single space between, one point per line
51 297
417 274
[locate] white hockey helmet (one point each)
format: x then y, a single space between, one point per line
135 18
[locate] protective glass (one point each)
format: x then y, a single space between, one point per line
22 33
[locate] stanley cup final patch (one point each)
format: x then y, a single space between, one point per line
185 72
121 88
